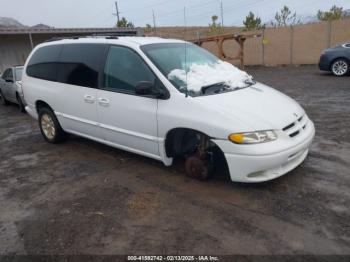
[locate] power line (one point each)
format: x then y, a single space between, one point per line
180 11
147 6
206 14
235 8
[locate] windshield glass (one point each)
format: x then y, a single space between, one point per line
18 71
194 70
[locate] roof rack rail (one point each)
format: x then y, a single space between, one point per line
105 35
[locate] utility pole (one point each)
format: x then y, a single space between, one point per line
222 14
116 7
154 22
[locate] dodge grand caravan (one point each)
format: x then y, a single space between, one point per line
162 99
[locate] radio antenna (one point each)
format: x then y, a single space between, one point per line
185 22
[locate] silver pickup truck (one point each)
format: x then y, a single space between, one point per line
11 87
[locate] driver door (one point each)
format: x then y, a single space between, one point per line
127 120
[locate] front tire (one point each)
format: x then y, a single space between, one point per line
3 100
340 67
50 127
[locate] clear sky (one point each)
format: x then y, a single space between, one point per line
98 13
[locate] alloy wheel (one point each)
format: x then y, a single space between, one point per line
340 68
48 126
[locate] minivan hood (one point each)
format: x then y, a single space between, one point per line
260 107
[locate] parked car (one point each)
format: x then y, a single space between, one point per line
163 99
336 60
11 87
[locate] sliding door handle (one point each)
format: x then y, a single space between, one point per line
103 101
89 99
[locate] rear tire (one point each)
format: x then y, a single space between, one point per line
340 67
20 104
3 100
50 127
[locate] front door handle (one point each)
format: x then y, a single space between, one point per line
103 101
89 99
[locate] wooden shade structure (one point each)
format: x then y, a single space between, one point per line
240 38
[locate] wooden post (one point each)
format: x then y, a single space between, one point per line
241 44
220 44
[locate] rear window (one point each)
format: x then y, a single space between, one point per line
80 64
43 63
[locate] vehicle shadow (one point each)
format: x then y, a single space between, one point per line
220 177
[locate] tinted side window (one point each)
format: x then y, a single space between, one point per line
347 45
124 69
79 64
5 74
43 63
10 74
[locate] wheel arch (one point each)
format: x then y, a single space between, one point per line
176 134
40 104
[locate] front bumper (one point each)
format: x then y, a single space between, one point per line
258 163
324 63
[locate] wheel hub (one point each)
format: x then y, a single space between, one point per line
340 68
197 168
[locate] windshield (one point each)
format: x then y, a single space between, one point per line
193 70
18 71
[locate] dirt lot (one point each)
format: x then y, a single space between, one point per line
81 197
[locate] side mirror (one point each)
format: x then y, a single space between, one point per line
144 88
9 80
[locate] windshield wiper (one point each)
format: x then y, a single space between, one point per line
217 86
250 82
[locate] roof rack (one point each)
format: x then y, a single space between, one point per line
115 35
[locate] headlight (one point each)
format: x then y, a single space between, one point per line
253 137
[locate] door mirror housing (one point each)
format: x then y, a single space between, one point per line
9 80
144 88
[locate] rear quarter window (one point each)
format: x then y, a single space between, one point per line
43 63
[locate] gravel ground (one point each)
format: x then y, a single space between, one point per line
82 197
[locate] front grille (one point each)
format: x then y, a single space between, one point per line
296 128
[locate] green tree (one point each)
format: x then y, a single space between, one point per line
125 23
215 27
148 28
252 22
214 24
285 17
335 13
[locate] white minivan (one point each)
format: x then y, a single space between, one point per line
163 99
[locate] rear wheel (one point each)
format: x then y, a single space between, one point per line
3 100
50 127
340 67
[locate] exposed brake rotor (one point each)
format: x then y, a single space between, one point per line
197 167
